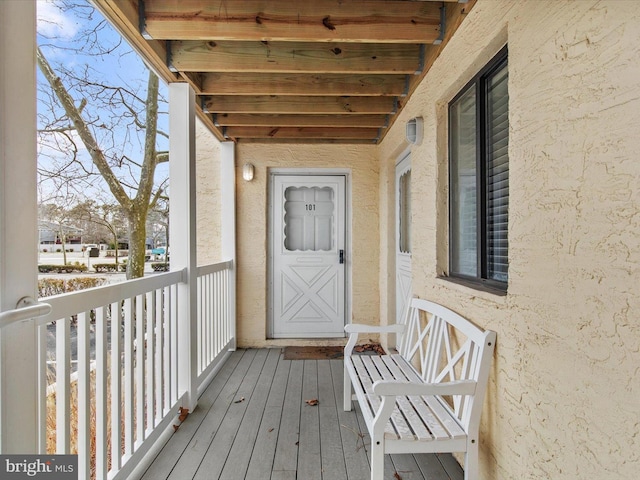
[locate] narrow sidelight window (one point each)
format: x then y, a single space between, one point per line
479 177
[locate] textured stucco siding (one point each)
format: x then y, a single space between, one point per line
563 400
252 230
208 211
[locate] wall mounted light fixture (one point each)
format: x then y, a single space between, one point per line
247 172
414 130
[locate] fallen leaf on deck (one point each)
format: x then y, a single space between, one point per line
271 430
239 401
397 476
313 402
371 347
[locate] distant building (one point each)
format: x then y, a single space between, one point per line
50 237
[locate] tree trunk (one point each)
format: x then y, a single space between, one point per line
137 244
64 247
115 240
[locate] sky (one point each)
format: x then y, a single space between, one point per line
65 39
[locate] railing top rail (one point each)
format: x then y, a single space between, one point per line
214 267
68 304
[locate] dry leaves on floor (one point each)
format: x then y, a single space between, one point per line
370 347
239 401
313 402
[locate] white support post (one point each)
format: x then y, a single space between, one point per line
18 225
228 200
182 171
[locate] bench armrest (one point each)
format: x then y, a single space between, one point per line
394 387
360 328
354 329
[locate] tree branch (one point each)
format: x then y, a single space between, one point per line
89 141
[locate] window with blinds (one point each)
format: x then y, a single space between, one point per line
479 177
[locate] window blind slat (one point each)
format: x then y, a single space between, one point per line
498 176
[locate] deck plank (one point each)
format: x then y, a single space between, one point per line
215 459
264 450
274 435
309 462
331 454
172 451
286 457
193 455
237 462
352 438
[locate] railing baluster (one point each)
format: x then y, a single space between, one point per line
174 343
220 320
200 325
101 393
215 293
158 369
84 395
150 345
139 369
116 386
209 338
166 321
128 377
42 389
63 384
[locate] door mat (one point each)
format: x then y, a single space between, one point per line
329 353
313 353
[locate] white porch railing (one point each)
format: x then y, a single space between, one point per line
216 328
109 360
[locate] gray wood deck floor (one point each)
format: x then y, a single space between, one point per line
253 423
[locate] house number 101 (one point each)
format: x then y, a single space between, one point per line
310 207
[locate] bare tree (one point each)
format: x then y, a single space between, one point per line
107 217
60 218
95 129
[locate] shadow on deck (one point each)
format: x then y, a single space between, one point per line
253 422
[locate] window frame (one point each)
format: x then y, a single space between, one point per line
480 83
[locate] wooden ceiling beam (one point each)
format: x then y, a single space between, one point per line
301 133
292 57
124 15
245 120
374 21
233 83
455 15
299 105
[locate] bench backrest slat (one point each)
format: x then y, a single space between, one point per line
444 346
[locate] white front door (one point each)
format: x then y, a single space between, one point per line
403 235
308 256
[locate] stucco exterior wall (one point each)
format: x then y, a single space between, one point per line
208 212
563 395
252 231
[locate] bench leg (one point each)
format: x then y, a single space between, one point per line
471 462
377 460
347 391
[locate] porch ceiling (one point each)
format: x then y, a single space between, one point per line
328 71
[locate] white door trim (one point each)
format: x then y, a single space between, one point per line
402 260
346 172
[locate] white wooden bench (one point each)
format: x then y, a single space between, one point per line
428 397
